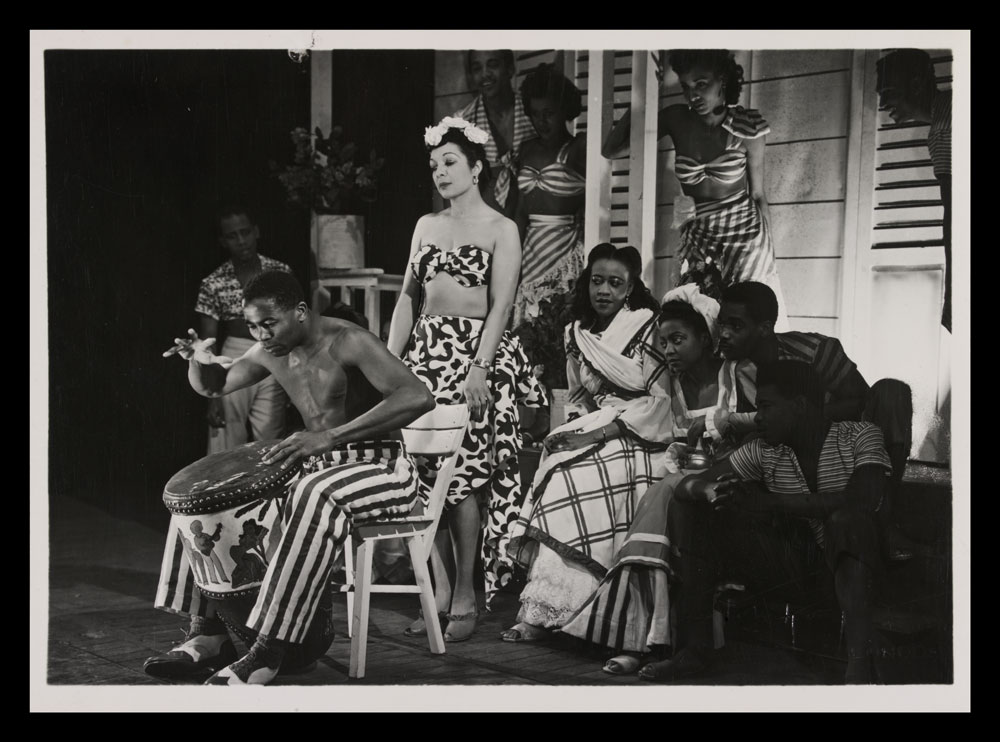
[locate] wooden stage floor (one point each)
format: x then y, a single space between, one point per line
102 626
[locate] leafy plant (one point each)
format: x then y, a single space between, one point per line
542 338
325 174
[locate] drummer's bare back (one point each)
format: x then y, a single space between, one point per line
315 380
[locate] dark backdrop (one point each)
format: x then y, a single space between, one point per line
139 147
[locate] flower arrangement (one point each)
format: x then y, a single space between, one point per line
324 175
542 338
433 134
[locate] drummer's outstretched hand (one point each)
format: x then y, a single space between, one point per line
192 347
298 446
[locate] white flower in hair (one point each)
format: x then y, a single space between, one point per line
476 135
432 135
454 122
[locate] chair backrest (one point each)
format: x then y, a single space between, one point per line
439 432
890 407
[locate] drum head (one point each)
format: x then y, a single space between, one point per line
227 479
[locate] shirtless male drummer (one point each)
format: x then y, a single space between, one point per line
308 355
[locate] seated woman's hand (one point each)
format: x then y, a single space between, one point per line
696 431
568 441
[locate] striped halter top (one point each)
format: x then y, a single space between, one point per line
731 165
556 178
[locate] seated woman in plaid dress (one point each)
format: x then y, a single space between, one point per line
629 612
597 466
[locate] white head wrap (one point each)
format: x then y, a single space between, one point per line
706 306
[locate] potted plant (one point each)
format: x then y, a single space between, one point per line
329 177
542 339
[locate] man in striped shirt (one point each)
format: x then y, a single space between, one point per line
756 516
747 314
907 89
500 111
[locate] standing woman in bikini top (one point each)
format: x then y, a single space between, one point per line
449 327
551 178
723 213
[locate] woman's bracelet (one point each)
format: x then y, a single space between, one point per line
480 363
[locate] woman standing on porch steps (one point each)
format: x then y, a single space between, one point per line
723 212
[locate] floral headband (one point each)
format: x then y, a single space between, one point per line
434 134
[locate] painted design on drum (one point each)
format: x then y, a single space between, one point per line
234 564
439 353
248 554
206 545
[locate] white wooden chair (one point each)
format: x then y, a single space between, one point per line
438 433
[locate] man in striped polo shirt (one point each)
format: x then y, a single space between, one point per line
759 514
907 89
747 314
498 109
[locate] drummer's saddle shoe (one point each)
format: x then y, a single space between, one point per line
259 666
198 656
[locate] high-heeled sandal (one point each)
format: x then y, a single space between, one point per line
419 627
461 627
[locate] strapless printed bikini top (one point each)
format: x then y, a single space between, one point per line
731 165
468 265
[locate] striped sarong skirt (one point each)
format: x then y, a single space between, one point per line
355 483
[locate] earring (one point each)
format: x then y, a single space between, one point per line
475 179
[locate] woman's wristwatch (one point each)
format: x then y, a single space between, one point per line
480 363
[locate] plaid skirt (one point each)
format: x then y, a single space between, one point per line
582 503
439 353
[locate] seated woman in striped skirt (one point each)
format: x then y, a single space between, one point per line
629 612
722 212
551 180
596 467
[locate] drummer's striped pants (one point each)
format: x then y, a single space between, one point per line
353 484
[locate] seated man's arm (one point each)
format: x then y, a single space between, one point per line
214 376
848 388
864 491
405 397
703 485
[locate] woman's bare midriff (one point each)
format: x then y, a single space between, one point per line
540 202
711 190
445 296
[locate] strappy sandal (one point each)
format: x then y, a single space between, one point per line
419 627
623 664
460 627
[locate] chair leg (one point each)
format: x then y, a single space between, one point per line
418 559
349 580
359 639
